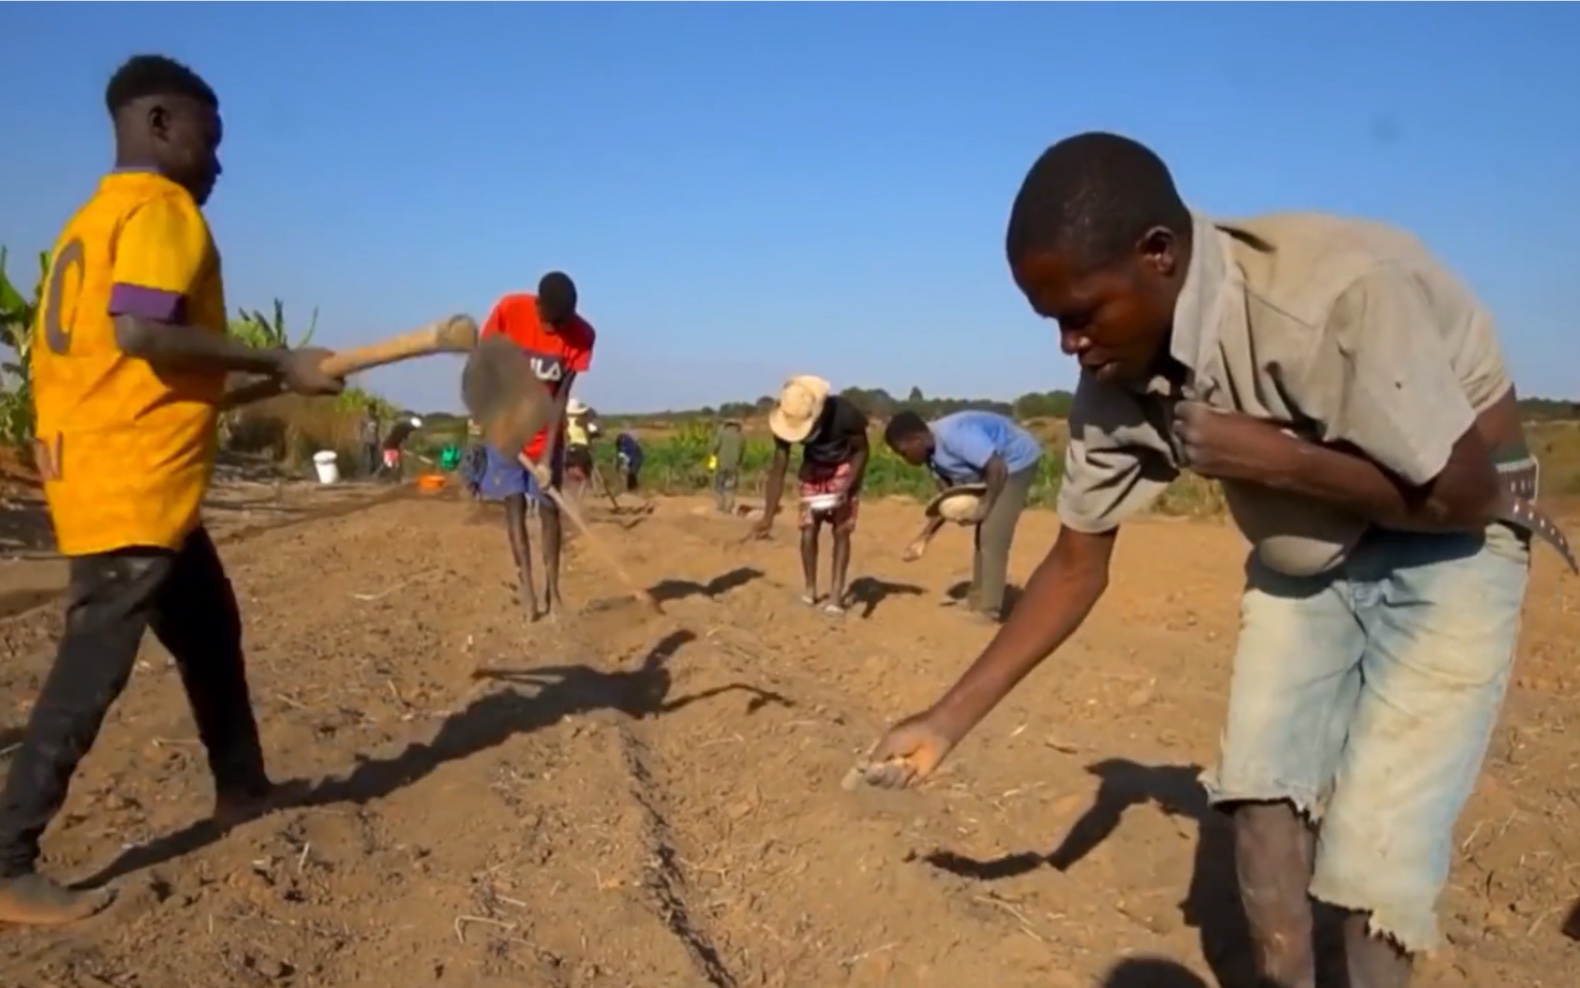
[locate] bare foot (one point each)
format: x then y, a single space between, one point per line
33 900
529 604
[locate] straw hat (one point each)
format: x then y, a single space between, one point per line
575 407
957 503
801 401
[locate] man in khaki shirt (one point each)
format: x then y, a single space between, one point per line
1351 395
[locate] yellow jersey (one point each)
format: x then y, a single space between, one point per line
132 447
576 433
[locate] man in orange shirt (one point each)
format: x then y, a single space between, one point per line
129 360
559 343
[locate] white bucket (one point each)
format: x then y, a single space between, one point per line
328 469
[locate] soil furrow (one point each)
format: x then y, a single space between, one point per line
664 878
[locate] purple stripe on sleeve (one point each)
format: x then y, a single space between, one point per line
147 303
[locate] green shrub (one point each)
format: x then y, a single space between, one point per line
677 463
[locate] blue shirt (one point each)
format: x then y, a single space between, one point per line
626 445
965 441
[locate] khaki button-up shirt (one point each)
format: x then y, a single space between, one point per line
1341 330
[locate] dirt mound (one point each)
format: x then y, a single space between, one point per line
619 799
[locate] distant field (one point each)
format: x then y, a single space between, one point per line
677 451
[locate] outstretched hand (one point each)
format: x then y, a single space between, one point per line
909 753
301 372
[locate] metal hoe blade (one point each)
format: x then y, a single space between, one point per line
503 395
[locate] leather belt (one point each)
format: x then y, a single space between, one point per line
1518 507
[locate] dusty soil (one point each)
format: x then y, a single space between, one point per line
620 800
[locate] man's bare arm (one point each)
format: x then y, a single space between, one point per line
775 487
996 474
557 422
1464 496
929 530
860 456
1058 597
179 346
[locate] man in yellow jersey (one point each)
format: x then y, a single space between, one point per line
130 357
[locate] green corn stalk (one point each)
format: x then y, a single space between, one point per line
17 313
264 333
257 330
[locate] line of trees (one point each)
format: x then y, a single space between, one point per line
879 403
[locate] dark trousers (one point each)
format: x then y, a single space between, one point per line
372 457
724 485
990 561
187 601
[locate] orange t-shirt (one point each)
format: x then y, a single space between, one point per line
554 354
134 445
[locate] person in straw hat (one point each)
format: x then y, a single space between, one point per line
832 434
973 447
1351 394
578 445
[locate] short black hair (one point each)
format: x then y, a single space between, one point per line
557 295
906 424
1094 195
155 75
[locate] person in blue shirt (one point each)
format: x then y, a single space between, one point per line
628 454
974 448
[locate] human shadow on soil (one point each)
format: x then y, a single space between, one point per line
484 723
665 591
960 591
1212 903
1150 972
870 591
1160 972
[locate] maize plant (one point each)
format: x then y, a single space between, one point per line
257 330
265 333
17 312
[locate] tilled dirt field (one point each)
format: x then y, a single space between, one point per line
622 800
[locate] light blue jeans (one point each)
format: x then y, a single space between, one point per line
1367 697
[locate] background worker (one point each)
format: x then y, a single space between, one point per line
974 447
832 434
729 449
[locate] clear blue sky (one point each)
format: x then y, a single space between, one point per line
747 191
